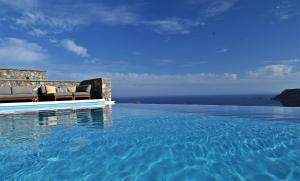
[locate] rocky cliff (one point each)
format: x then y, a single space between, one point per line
289 97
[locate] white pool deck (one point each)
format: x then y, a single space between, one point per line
52 105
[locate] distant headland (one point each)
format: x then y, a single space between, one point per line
289 98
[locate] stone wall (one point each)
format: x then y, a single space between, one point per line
101 88
23 74
35 84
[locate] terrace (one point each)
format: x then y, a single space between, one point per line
20 85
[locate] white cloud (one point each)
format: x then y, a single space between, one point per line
267 79
137 53
38 32
33 20
112 16
71 46
285 10
39 18
193 64
208 8
165 61
290 61
171 26
139 79
14 50
134 84
19 4
272 71
211 8
231 76
284 62
223 50
58 18
146 79
54 41
28 19
91 61
217 7
283 17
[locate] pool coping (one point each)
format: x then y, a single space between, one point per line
50 105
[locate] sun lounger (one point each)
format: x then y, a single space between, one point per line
60 93
17 94
82 91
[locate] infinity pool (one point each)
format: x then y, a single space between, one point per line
152 142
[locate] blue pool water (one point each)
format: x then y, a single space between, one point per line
152 142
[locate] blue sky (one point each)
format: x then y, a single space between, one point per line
183 47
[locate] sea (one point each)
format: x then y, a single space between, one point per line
238 100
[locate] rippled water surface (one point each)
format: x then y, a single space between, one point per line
152 142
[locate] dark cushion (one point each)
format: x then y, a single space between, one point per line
21 90
5 90
43 89
83 88
62 90
46 95
81 94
